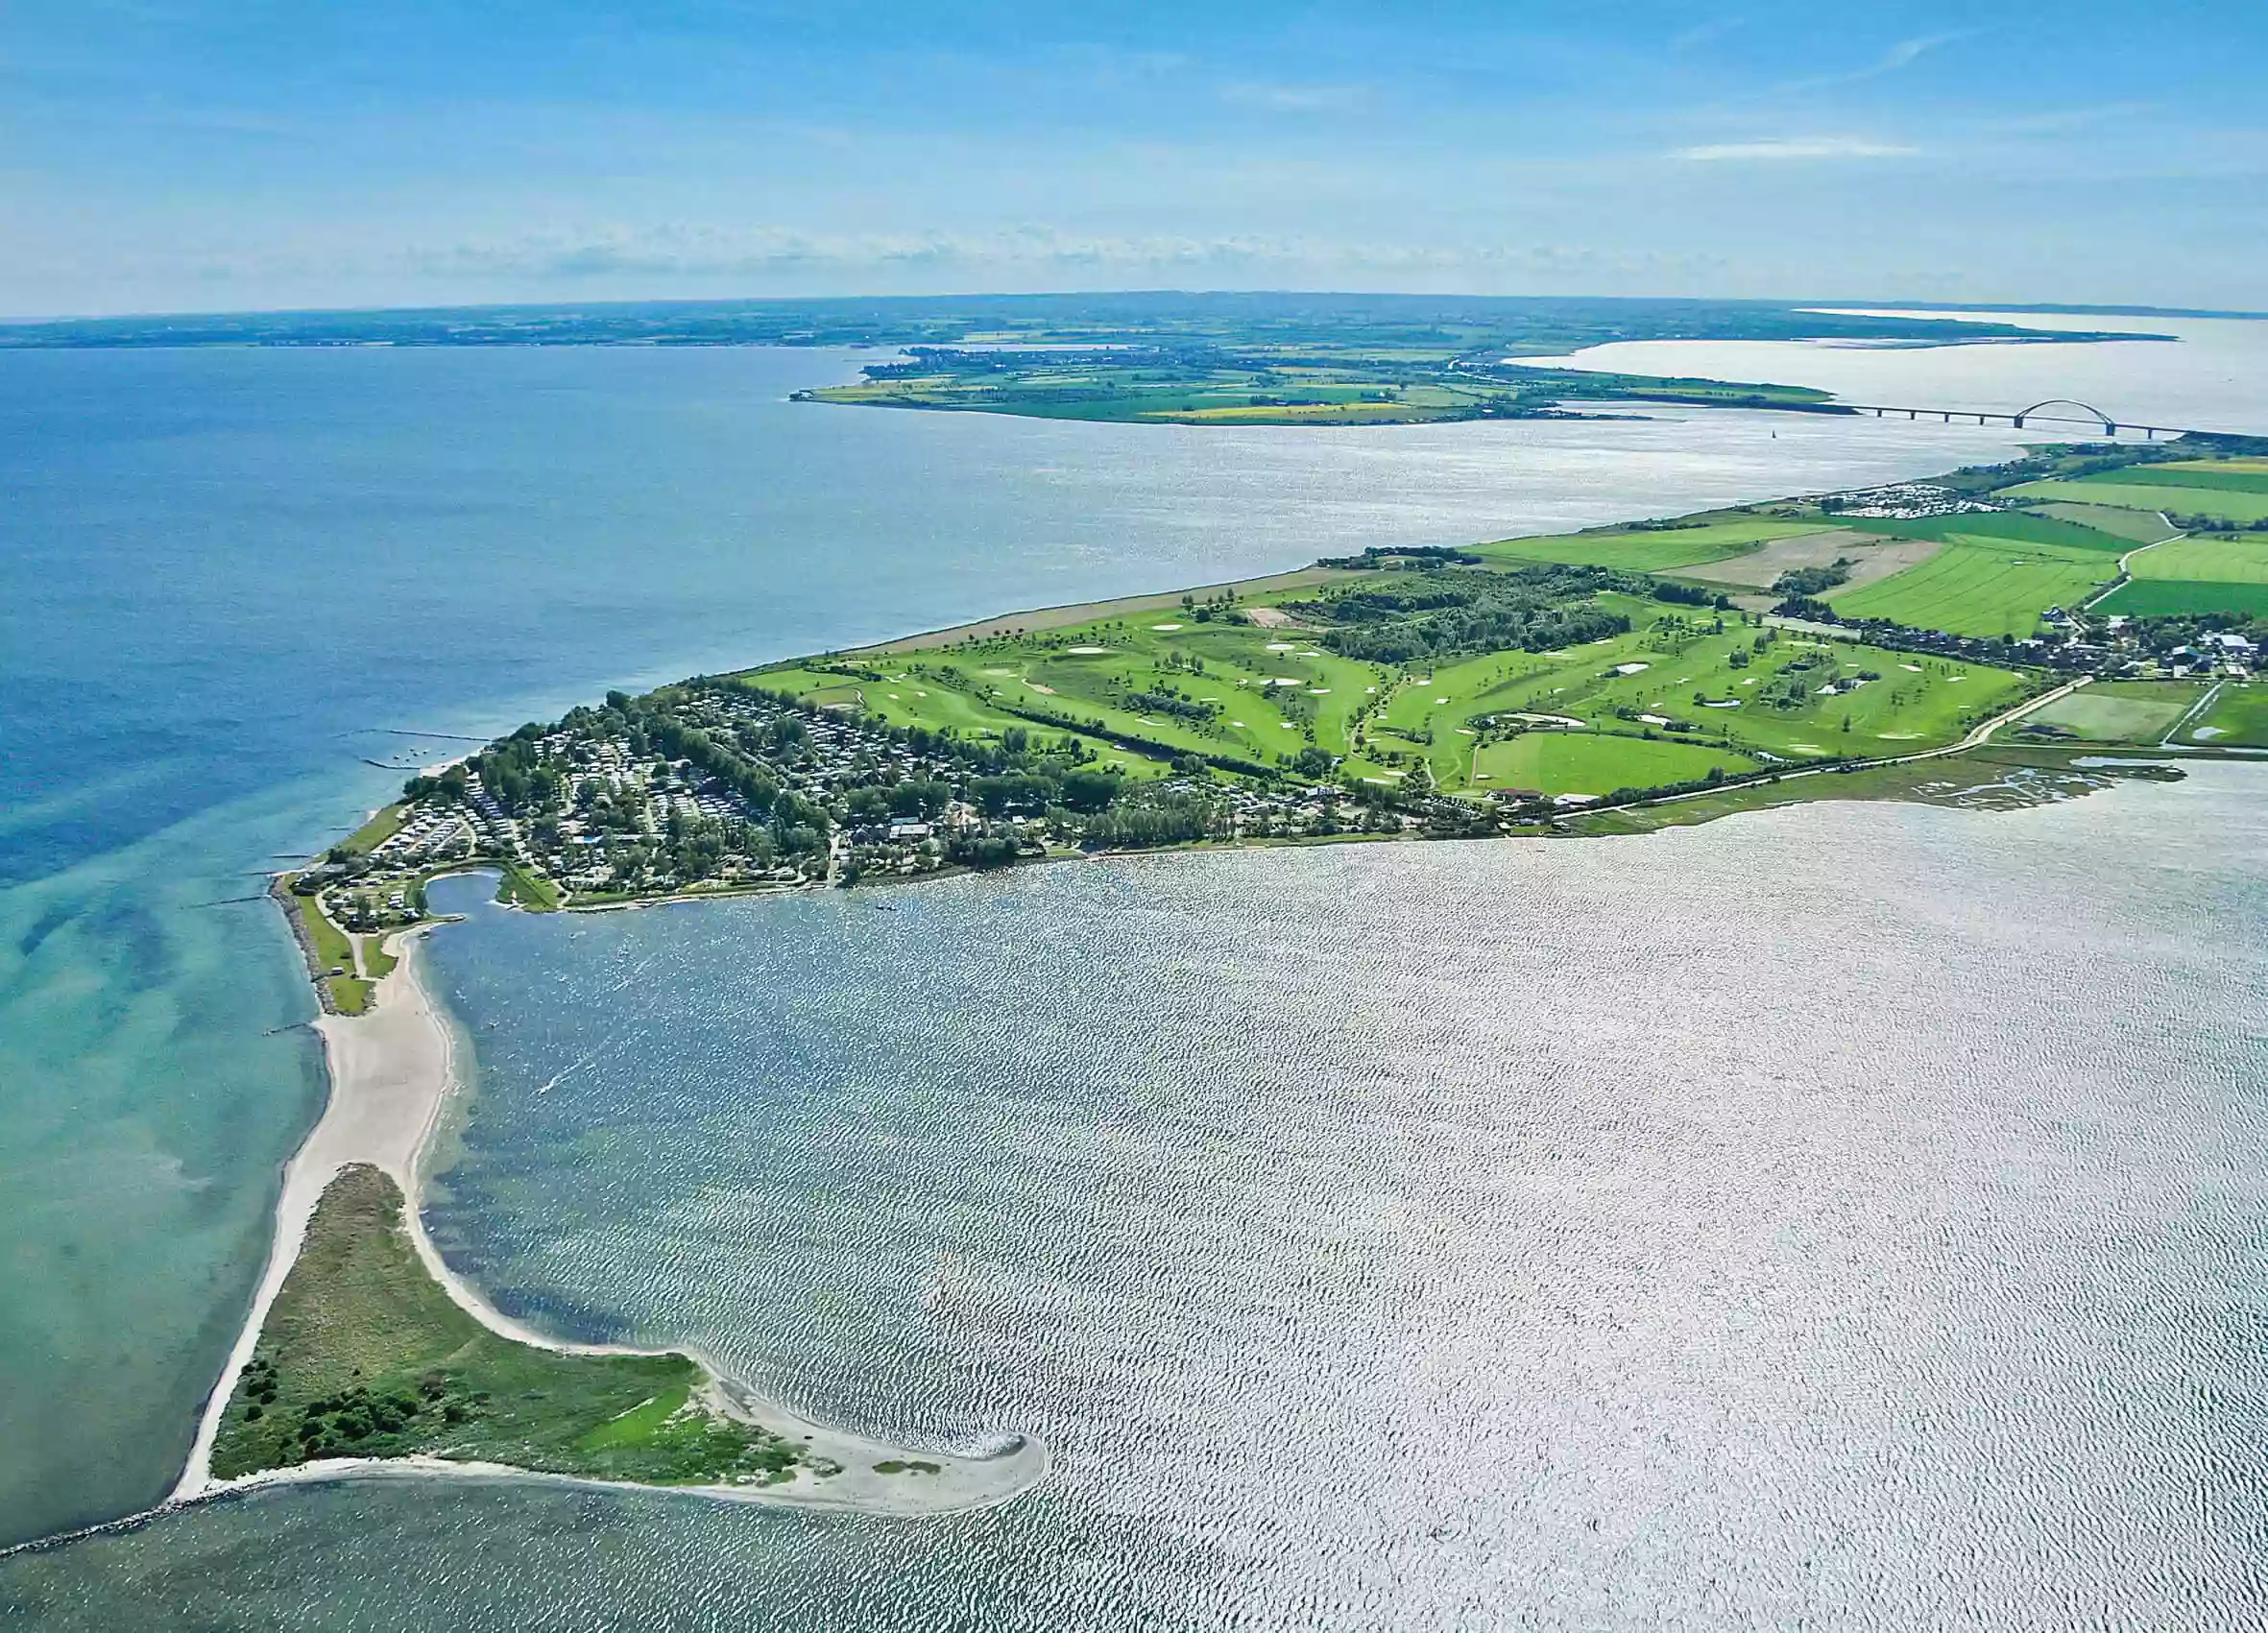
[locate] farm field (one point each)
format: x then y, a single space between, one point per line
2233 476
2001 527
2164 597
1649 550
2240 507
2237 718
2139 527
2205 560
1983 587
2121 711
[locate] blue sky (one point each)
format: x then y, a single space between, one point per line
169 155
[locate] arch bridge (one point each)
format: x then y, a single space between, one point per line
2087 415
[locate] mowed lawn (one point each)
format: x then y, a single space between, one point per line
1983 587
2237 719
1163 679
1592 762
1649 550
2121 711
2227 504
1690 687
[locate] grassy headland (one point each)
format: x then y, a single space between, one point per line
365 1355
1511 686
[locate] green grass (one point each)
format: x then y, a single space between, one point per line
2205 560
2243 507
1238 700
1594 762
2237 719
2157 597
1998 777
1999 527
1649 550
2218 478
2120 711
904 701
1982 586
350 995
384 825
2137 527
377 962
328 943
520 888
363 1354
1916 703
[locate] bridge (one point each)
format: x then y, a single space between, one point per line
2087 415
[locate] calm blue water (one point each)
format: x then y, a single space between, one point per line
1847 1217
226 578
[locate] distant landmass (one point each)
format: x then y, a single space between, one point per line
1456 323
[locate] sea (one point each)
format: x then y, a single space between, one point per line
1843 1217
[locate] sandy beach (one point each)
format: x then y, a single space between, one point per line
392 1070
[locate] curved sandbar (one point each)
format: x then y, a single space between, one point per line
391 1072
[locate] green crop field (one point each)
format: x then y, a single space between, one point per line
2238 718
2136 527
2241 508
2186 473
2167 597
1982 586
2205 560
2120 711
2000 527
1555 762
1649 550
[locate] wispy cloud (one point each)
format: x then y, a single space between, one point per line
1778 149
1296 99
1704 33
1901 56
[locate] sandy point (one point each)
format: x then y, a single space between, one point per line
392 1070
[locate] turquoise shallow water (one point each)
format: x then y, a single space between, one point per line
228 578
1849 1217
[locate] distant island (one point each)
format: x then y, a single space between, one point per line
1475 325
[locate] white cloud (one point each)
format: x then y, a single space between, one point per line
1296 99
1774 149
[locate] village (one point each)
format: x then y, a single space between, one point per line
779 795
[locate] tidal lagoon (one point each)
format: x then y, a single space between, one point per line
1845 1215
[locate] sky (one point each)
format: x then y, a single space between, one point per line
235 155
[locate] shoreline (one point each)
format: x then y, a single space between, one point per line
391 1073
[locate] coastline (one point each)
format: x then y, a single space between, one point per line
392 1072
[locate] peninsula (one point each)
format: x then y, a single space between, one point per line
363 1351
1832 645
1997 635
